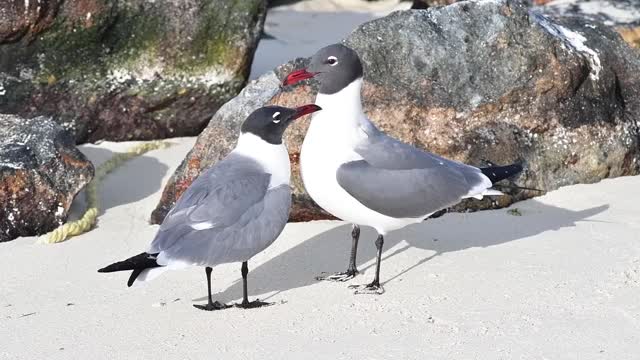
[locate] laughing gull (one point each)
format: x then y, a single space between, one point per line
361 175
232 211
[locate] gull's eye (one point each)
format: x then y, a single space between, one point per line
276 117
332 60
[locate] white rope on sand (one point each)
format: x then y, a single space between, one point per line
89 218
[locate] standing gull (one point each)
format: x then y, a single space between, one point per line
363 176
231 212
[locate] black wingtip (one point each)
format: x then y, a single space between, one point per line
498 173
139 262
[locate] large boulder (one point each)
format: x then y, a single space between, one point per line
471 81
41 171
129 69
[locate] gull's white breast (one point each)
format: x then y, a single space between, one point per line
329 143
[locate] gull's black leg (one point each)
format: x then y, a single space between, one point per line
244 270
374 287
210 305
379 244
355 236
245 297
352 270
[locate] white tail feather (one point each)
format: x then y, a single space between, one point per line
491 192
150 274
487 192
482 188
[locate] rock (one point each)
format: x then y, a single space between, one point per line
41 171
123 70
472 81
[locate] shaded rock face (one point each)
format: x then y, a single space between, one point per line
41 171
130 69
472 81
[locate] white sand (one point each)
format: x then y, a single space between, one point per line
562 281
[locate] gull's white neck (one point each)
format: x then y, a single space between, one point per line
273 158
340 122
344 107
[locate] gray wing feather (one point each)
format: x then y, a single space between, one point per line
386 152
398 180
222 215
401 193
255 229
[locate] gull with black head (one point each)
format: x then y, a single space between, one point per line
361 175
231 212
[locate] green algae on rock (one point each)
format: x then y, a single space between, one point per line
129 69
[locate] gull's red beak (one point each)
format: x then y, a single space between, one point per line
306 109
298 76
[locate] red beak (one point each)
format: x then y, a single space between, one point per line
306 109
298 76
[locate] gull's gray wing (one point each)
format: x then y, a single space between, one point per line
383 151
402 193
399 180
227 212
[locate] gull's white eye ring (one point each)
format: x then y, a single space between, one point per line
332 61
276 117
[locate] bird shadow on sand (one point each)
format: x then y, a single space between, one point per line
132 181
329 250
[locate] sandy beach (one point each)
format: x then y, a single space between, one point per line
556 277
561 281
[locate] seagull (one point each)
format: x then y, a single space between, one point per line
359 174
231 212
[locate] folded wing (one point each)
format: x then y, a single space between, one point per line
399 180
411 193
222 216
